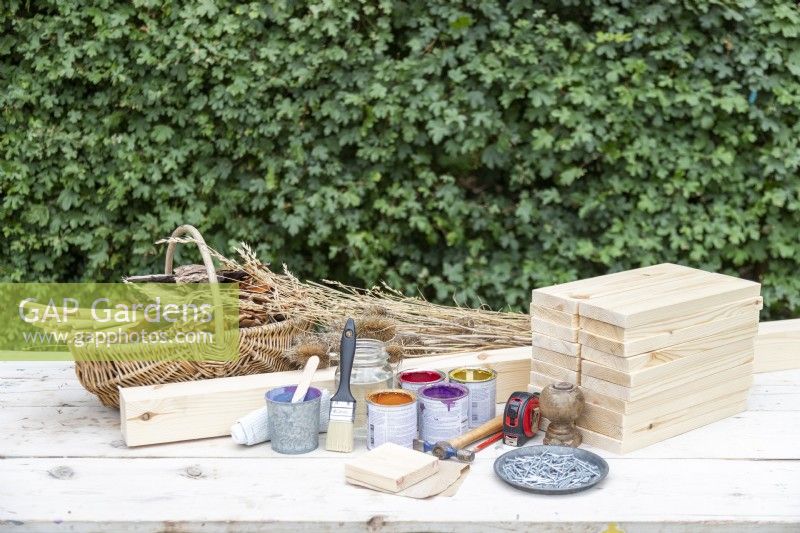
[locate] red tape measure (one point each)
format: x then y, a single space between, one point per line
521 418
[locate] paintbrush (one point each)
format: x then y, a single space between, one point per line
343 405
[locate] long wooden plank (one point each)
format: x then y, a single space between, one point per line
561 374
556 358
540 381
778 346
32 432
648 359
769 429
772 424
201 409
556 345
561 318
699 383
667 325
36 370
567 297
705 368
594 415
635 425
664 432
675 298
34 428
223 495
554 330
667 364
747 320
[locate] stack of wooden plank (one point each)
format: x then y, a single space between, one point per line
660 350
777 346
556 352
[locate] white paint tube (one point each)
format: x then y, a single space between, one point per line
252 427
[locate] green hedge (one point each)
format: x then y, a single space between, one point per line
469 149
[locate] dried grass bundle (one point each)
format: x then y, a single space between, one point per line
417 326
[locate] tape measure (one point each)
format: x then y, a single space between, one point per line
521 418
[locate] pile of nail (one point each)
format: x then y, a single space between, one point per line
549 471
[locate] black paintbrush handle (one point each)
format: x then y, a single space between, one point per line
347 352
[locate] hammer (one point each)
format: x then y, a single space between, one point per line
456 447
463 455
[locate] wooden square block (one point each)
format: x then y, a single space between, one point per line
392 467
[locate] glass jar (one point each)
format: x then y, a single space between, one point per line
371 372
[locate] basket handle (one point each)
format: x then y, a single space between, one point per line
201 245
210 270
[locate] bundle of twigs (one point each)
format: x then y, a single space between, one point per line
413 326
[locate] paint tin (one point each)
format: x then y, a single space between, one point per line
294 427
443 411
482 385
414 380
391 417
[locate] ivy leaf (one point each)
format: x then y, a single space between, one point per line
162 133
461 23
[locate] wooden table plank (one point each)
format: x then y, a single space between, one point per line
160 491
63 466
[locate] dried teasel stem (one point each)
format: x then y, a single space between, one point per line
422 327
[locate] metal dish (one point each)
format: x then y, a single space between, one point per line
532 451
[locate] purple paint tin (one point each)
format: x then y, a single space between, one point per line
443 411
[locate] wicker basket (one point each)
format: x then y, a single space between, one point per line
261 349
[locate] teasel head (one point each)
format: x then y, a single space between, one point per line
395 351
376 327
376 310
307 346
412 344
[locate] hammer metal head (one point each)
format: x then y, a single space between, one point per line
464 455
444 450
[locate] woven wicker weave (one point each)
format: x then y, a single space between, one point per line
261 349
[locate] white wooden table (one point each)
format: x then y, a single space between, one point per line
64 467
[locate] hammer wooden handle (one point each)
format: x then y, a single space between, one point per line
484 430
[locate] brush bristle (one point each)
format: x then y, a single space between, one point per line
340 436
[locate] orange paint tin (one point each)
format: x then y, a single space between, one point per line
391 417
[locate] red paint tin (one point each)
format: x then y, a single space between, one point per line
414 380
